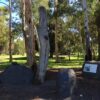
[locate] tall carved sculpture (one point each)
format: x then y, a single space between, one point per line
44 44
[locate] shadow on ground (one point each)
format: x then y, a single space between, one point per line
86 89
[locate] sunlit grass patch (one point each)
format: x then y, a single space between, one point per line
66 64
4 60
74 62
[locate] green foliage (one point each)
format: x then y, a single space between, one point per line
3 11
17 30
64 8
3 28
69 17
97 15
36 4
19 47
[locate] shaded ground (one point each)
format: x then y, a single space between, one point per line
86 89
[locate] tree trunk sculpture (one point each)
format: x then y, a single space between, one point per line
44 44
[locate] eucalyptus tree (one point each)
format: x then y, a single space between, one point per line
10 33
23 23
84 9
28 30
53 29
76 12
56 27
9 6
78 26
88 55
97 22
3 28
92 28
61 10
72 13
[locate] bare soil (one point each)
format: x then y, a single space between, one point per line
86 89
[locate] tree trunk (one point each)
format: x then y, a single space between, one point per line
99 44
44 44
28 31
56 32
88 55
10 34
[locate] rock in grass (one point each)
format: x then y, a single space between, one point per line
17 74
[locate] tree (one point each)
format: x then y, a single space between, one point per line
88 55
19 47
3 28
56 28
10 33
97 22
51 38
28 30
62 10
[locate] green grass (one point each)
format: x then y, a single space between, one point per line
64 61
4 60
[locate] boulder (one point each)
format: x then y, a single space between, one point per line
16 74
66 81
91 69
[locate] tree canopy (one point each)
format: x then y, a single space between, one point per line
70 23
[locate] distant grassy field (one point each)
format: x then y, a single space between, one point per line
74 62
4 60
64 61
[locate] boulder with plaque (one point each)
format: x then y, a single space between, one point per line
91 69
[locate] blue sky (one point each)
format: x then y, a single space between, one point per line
72 0
7 3
14 15
4 1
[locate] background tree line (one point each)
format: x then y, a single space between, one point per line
65 24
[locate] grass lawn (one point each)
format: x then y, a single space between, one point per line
64 61
4 60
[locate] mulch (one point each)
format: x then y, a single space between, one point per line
86 89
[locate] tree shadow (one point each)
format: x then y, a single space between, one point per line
20 58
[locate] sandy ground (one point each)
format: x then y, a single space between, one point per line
86 89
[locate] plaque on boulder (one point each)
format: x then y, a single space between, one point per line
16 74
91 69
